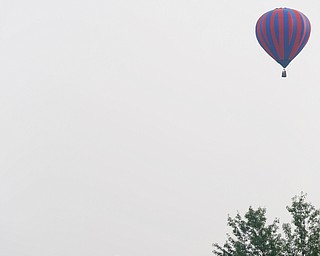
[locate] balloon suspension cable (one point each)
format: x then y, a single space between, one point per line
284 73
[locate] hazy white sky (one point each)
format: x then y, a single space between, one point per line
135 127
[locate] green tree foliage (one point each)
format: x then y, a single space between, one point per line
252 236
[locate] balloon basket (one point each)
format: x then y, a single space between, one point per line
284 73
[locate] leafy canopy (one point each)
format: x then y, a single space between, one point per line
252 236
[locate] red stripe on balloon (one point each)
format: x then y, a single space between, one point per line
273 33
305 30
281 34
298 35
290 26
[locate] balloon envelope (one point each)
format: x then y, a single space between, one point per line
283 33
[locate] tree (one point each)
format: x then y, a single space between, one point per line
302 236
252 236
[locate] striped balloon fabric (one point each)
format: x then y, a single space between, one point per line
283 33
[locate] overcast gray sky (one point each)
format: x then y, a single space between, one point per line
135 127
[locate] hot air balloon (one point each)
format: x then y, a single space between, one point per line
283 33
